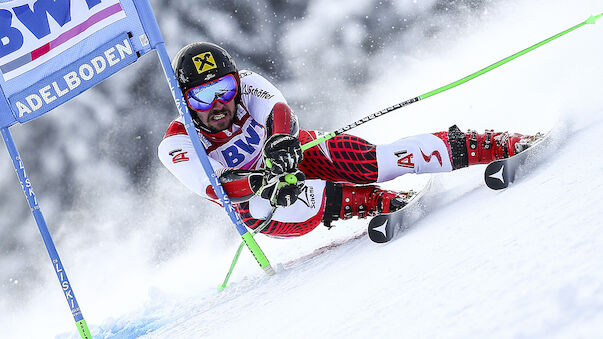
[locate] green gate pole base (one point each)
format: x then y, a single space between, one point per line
82 327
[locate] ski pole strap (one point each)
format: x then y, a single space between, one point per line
238 253
591 20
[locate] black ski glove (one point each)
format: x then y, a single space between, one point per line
282 153
282 190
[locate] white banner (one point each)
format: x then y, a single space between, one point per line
34 31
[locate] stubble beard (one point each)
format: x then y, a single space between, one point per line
220 125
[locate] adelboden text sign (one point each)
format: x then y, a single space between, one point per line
73 79
53 50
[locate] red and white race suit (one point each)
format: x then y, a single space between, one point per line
344 158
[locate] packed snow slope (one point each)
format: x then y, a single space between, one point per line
523 262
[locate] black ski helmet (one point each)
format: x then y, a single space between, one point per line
202 62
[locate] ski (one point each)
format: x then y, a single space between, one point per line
501 173
383 228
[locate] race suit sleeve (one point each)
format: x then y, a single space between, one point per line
259 95
178 155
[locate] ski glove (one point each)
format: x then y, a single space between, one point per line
282 190
282 153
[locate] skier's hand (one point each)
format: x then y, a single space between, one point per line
282 153
282 190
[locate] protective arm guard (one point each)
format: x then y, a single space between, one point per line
239 185
282 121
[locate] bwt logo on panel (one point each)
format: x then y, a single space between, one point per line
32 32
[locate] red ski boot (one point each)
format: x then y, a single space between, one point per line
472 148
347 201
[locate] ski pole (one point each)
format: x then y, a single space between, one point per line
82 327
591 20
238 253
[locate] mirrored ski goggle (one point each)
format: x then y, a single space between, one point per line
202 97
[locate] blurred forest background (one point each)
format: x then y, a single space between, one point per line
93 161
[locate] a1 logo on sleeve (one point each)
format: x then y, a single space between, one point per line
178 156
405 159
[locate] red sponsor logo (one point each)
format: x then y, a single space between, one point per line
405 159
433 154
178 156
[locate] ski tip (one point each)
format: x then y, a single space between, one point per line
593 19
496 176
221 287
378 231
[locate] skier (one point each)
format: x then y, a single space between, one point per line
253 142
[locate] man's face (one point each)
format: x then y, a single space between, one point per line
219 117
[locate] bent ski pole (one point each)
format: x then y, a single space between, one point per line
238 253
591 20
